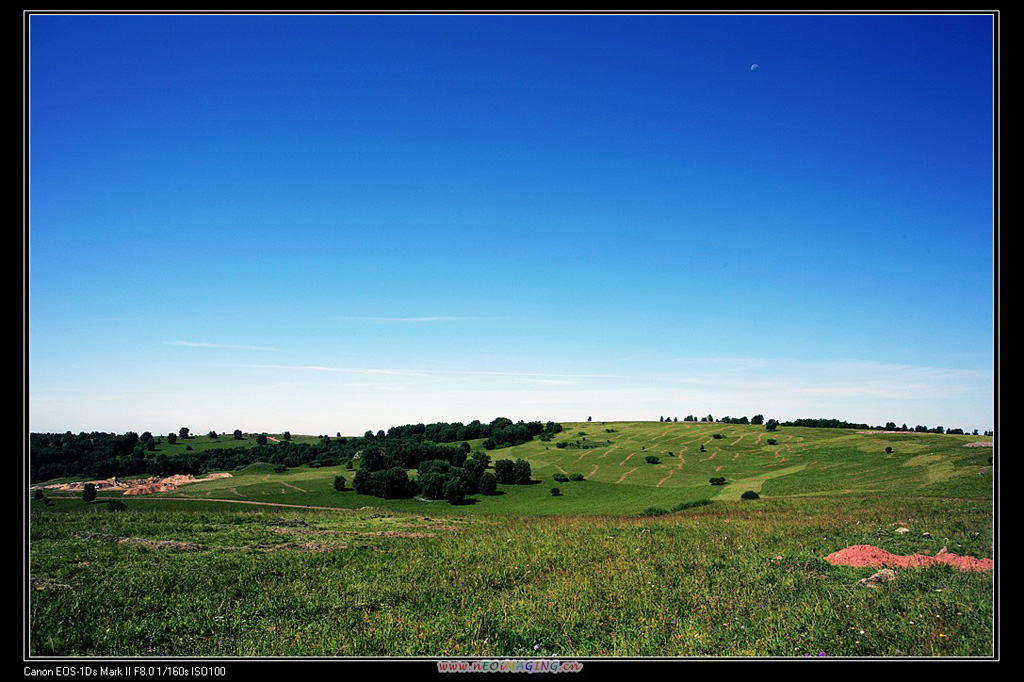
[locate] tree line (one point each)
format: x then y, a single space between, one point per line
101 455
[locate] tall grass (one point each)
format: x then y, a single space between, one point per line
720 579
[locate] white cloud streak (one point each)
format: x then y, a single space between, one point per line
228 346
438 372
410 320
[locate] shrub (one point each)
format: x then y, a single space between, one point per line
432 484
503 471
115 506
717 480
576 477
455 491
690 505
652 459
89 492
772 441
521 471
654 511
561 478
718 436
555 492
750 495
339 483
488 483
888 449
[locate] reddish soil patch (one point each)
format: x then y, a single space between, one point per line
868 555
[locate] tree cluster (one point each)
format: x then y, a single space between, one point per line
101 455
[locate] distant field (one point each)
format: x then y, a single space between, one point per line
269 563
611 457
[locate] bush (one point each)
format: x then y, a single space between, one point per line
432 484
555 492
690 505
772 441
718 436
89 492
455 491
521 471
488 483
717 480
576 477
888 450
750 495
654 511
504 471
652 459
115 506
561 478
339 483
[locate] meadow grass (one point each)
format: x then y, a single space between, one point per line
581 575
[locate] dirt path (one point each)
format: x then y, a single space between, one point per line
623 477
266 479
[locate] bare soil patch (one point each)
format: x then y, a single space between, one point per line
875 557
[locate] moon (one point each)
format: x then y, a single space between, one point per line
754 66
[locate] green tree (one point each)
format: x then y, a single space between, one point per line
488 483
89 492
432 484
455 490
393 484
363 482
521 471
183 432
237 434
504 471
339 483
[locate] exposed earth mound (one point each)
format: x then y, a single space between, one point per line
868 555
140 486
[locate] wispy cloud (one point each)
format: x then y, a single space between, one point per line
435 318
440 372
202 344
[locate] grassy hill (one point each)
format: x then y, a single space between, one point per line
611 456
278 563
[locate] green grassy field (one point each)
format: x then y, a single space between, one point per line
268 563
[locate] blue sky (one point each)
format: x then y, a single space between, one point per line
338 223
